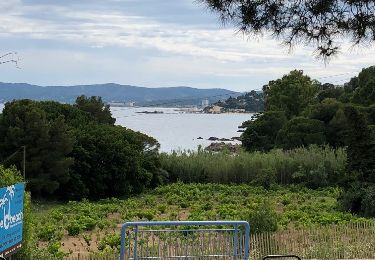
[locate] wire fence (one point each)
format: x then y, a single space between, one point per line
346 241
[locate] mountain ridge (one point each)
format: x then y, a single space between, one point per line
112 92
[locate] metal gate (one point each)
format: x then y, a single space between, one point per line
185 239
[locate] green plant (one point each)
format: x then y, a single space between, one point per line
87 238
73 228
263 219
110 240
162 208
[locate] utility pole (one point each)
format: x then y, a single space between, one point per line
24 162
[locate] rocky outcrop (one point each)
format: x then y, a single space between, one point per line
219 147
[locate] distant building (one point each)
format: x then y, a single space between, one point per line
237 110
129 104
116 104
215 109
205 103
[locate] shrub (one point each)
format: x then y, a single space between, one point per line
87 223
359 199
263 219
73 228
162 208
110 240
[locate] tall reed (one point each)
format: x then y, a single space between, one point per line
313 166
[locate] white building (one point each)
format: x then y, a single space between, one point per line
129 104
205 103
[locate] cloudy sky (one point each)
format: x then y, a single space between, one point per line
153 43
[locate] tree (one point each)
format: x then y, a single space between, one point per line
301 132
260 134
291 94
359 193
364 94
96 108
321 23
331 113
361 146
335 93
48 144
73 116
111 161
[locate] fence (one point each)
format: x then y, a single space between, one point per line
346 241
355 240
185 240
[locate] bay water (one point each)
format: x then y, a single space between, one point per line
177 130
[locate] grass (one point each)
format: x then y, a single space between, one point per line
94 227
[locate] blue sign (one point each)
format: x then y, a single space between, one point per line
11 219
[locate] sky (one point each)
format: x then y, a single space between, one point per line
151 43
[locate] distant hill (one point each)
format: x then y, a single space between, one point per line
252 101
173 96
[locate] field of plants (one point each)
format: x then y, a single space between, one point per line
94 227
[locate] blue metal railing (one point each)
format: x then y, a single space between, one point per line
185 239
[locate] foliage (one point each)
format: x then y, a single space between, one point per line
112 161
291 94
330 92
359 195
365 92
301 132
331 113
48 145
74 152
100 112
361 146
319 23
260 135
111 241
73 116
313 166
250 102
263 219
319 108
359 198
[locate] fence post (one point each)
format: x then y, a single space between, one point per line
235 242
135 241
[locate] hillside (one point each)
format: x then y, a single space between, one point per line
250 102
111 92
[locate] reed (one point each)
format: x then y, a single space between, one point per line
313 166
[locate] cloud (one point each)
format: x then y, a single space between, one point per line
172 40
99 28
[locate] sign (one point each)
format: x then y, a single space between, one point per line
11 218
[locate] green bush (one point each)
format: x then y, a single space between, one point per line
48 232
359 199
73 228
263 219
87 223
110 240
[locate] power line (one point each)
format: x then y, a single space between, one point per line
337 75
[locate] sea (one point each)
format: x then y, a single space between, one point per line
177 129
